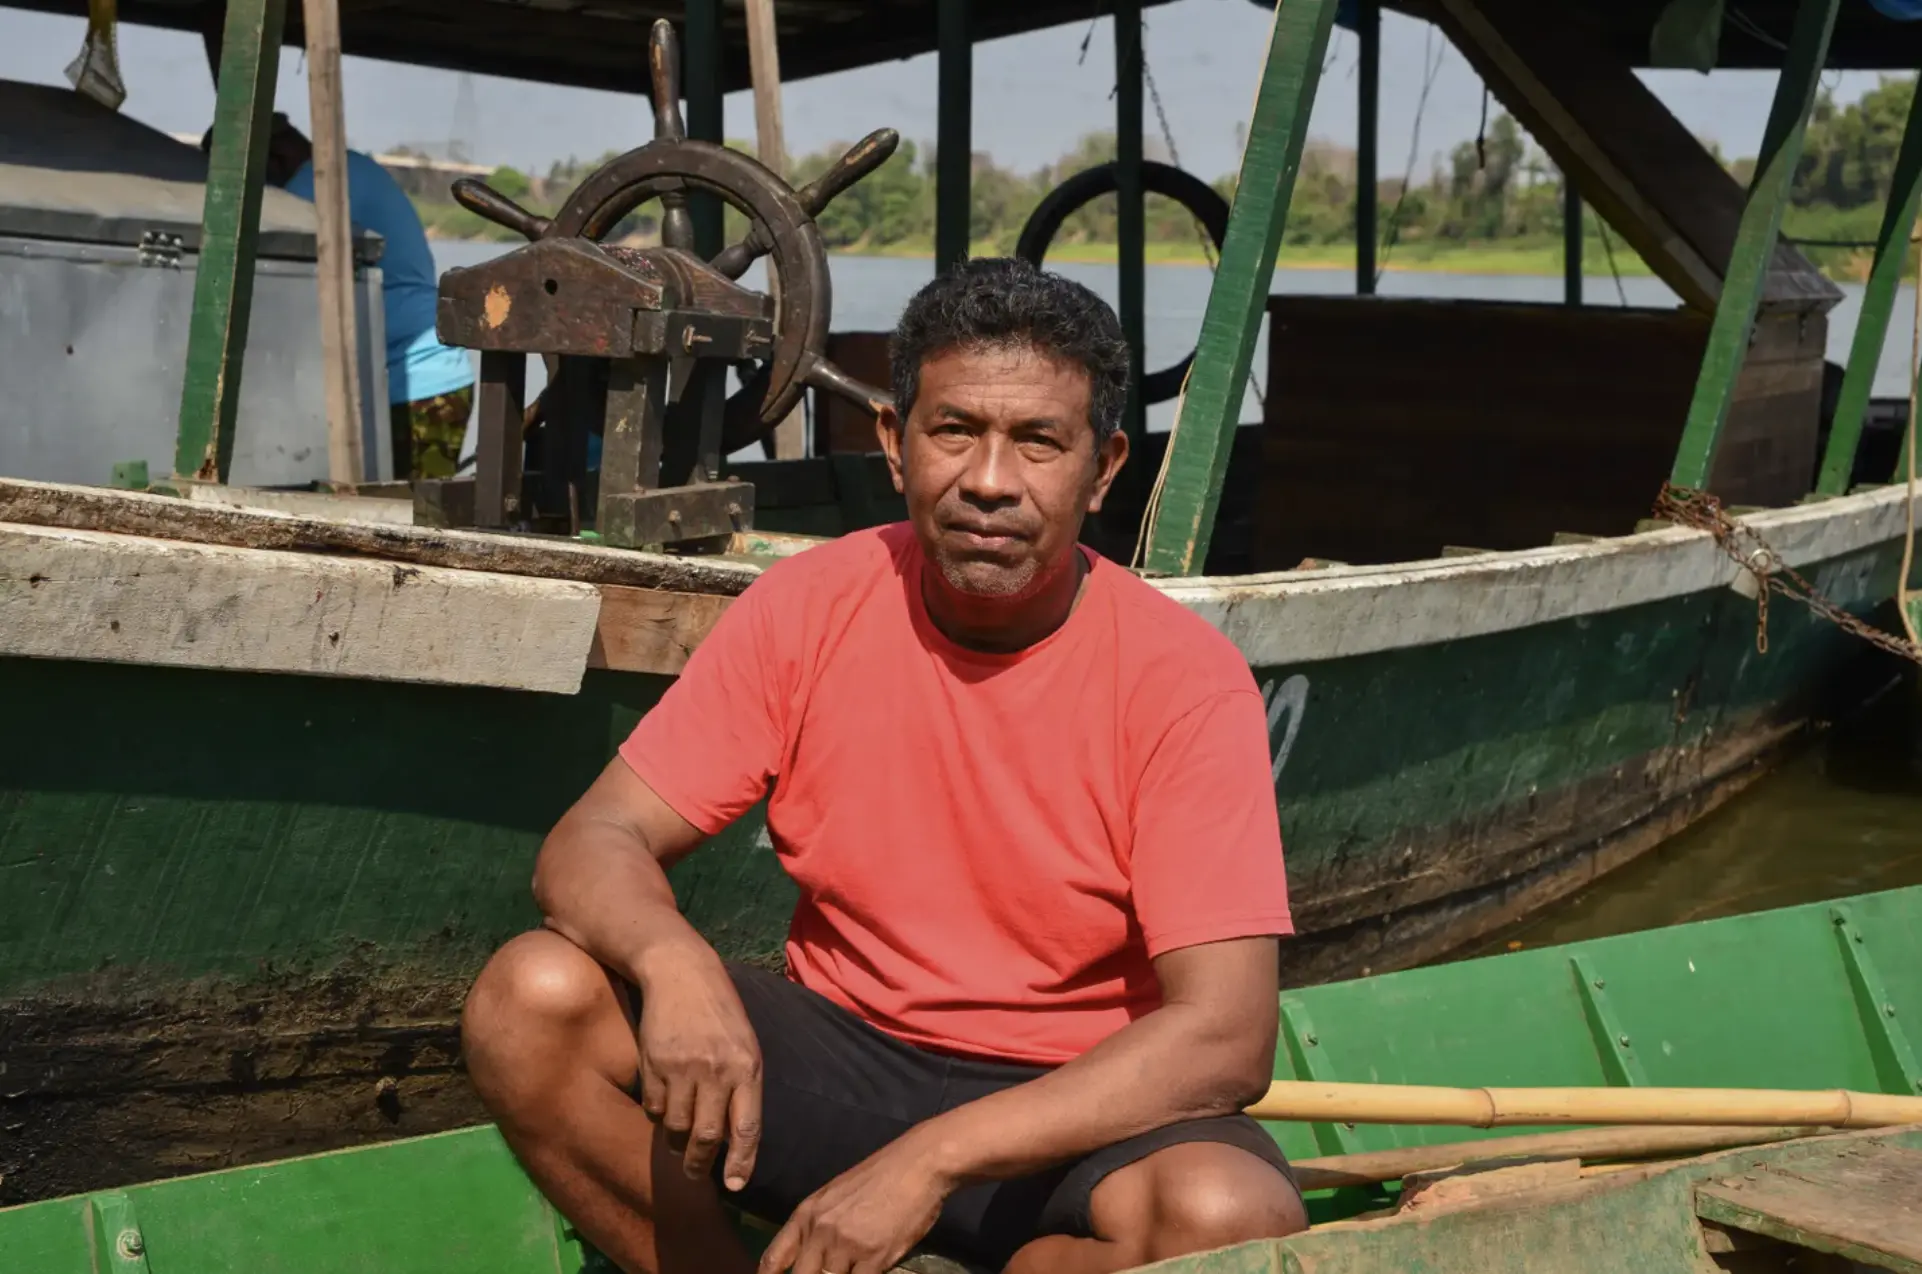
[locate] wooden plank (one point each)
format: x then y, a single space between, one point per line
953 131
161 517
1755 242
651 630
1204 432
1131 228
314 504
701 53
230 221
1878 300
339 344
1587 1144
1863 1202
68 594
1367 142
764 68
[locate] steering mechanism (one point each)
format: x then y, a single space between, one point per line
638 341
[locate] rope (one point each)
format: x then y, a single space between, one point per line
1201 231
1390 234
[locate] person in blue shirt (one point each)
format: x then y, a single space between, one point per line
430 386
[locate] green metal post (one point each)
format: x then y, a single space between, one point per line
1878 300
229 227
1184 517
701 74
1571 242
1367 142
1131 231
954 135
1755 241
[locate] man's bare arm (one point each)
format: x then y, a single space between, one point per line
601 883
1208 1050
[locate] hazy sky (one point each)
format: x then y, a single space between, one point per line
1034 94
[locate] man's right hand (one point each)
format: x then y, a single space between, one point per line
700 1061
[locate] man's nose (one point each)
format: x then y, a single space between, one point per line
993 473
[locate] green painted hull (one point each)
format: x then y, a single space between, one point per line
237 904
1687 999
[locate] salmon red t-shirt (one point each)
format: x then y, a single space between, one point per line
990 848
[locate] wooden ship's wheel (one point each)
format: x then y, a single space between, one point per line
638 340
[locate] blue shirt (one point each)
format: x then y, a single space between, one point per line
418 365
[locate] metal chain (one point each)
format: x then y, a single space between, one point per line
1201 231
1684 506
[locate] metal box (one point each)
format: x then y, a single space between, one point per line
99 238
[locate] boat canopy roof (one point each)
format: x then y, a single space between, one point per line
70 169
1869 36
603 43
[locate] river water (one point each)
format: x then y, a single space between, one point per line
1843 817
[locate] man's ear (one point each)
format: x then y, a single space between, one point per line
1109 456
888 430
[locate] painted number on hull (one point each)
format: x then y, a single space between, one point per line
1285 701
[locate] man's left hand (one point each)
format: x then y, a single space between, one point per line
863 1221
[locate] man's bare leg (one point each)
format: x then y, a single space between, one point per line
554 1060
1191 1197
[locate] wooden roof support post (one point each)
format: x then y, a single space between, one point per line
1878 300
764 67
1755 242
1367 143
339 342
953 133
229 225
1131 229
701 81
1182 517
1572 217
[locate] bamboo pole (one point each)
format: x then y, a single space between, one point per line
1312 1102
764 67
1587 1144
339 343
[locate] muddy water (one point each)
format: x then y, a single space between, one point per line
1843 817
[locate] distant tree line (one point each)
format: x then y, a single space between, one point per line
1497 189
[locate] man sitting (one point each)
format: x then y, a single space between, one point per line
1031 978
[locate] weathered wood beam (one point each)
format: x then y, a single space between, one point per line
1183 517
764 59
1878 300
334 256
1635 164
1571 242
1131 228
701 80
229 225
1367 142
162 517
68 594
1755 242
954 133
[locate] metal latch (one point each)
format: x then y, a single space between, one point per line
160 249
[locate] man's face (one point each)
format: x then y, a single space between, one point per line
999 465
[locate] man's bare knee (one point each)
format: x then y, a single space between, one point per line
539 995
1198 1196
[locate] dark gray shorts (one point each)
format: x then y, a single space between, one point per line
836 1090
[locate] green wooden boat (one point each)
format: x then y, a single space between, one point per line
1818 996
288 757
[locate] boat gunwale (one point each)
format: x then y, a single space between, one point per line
1277 618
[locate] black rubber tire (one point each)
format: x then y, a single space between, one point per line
1186 189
